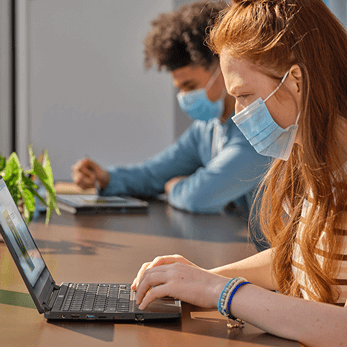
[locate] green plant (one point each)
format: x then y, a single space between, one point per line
22 186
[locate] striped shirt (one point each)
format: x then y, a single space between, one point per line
298 266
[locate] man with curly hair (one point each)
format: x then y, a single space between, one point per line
211 164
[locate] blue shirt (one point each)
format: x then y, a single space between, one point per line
212 182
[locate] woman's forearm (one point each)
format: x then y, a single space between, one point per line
311 323
256 269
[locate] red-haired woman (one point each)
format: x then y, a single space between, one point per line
285 62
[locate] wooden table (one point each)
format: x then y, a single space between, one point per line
111 249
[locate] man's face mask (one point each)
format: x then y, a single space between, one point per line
263 133
197 105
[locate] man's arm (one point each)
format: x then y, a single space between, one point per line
149 177
231 174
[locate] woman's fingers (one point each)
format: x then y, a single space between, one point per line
182 281
149 265
161 260
149 282
139 275
151 295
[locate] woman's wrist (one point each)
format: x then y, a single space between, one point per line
227 294
217 291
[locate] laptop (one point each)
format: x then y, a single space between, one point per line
67 301
94 204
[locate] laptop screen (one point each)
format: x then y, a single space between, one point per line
19 236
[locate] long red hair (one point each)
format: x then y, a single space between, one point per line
275 35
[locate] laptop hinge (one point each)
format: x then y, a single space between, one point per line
48 303
46 308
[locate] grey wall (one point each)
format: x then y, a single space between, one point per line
182 122
339 8
5 78
88 90
82 88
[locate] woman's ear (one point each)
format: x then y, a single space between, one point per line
295 77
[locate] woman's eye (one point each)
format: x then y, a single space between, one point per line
242 97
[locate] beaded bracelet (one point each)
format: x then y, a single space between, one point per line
226 296
224 310
223 297
234 290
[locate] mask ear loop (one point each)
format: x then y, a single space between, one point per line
297 118
223 94
212 79
278 87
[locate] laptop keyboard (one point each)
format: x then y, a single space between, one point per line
93 297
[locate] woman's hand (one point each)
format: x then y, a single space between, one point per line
164 260
181 281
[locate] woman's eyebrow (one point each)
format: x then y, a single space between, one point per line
234 90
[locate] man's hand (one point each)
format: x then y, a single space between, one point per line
87 174
171 183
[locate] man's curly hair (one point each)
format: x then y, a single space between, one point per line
177 38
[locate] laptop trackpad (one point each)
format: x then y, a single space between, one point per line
162 305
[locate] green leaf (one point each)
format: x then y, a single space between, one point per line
39 171
48 168
13 176
31 156
23 187
29 205
23 194
45 175
2 162
28 198
14 192
51 197
49 210
12 169
28 215
32 187
29 182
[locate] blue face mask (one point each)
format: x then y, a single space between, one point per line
263 133
197 105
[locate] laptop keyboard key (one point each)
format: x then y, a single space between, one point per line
96 298
123 297
99 309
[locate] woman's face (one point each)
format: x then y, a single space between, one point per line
247 84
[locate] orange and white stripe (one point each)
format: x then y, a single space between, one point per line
298 266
